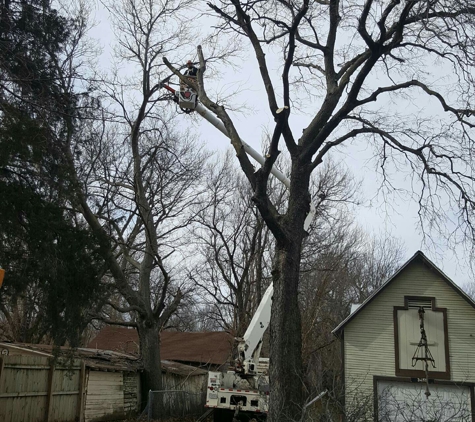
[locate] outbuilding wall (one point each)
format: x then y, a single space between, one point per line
36 387
104 395
111 395
183 395
132 392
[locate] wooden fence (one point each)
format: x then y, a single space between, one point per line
37 389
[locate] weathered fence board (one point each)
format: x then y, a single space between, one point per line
34 389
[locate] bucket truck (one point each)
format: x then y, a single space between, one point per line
244 390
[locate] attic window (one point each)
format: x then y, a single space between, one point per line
419 302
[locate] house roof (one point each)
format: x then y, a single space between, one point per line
202 347
417 257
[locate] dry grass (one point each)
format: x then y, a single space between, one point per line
176 419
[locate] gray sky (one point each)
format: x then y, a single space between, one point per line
396 217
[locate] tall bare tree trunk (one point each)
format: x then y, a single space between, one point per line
286 373
285 338
149 334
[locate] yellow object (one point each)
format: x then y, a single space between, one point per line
2 274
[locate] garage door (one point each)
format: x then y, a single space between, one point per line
405 401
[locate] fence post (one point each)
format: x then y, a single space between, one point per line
82 388
49 397
149 414
2 367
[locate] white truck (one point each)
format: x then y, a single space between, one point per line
241 393
244 390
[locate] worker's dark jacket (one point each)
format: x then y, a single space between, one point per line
191 72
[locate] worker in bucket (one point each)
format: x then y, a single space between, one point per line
191 69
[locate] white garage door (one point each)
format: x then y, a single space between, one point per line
402 402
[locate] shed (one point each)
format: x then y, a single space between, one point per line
33 380
184 389
80 384
408 350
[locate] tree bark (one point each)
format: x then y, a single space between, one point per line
149 335
286 369
285 379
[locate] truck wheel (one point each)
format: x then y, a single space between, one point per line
222 415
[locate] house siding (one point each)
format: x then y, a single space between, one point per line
369 338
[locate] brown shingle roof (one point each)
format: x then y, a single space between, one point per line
204 348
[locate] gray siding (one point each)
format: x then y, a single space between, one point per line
131 392
184 395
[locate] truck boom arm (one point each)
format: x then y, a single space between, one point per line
218 124
249 346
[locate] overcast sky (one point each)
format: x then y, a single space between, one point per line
397 218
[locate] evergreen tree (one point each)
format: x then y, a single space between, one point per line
52 262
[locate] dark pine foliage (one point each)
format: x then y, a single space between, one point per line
52 261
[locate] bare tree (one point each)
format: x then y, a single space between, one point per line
125 173
234 248
137 179
20 317
345 273
339 47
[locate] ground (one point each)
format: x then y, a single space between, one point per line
179 419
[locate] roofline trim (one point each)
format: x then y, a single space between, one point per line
420 255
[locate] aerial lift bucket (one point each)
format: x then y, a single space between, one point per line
187 97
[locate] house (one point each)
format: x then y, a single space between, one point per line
203 349
409 349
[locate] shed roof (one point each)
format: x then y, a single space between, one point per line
97 359
102 359
182 369
213 347
417 257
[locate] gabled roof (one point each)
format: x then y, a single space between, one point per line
417 257
213 347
